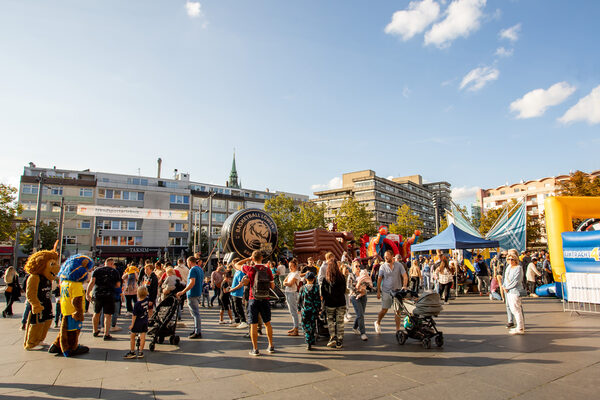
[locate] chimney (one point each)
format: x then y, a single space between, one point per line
175 173
159 161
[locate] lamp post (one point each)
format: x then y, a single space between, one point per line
61 224
38 213
17 222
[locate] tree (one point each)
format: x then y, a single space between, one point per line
48 236
407 222
9 209
310 216
354 217
534 230
489 217
285 214
443 223
579 184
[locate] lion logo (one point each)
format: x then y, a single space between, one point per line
255 234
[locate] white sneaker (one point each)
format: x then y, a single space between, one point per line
230 322
356 331
347 319
180 324
515 331
377 327
242 325
222 322
364 337
115 329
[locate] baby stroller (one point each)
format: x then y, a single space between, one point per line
418 317
322 328
164 322
277 297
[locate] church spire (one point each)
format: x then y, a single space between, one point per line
233 175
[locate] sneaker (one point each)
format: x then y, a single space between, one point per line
23 326
222 322
356 331
230 322
97 333
195 336
308 346
377 327
510 325
271 349
130 354
446 303
364 337
140 354
108 337
254 352
332 343
347 319
242 325
115 329
247 336
515 331
339 344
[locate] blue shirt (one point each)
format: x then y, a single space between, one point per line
237 278
197 274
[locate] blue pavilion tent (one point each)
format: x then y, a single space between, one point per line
454 238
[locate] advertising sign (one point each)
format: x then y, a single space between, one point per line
581 251
131 212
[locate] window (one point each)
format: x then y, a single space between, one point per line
106 240
177 241
137 181
30 189
131 225
502 192
84 224
71 208
216 230
115 225
219 217
178 227
531 188
517 190
86 192
55 209
218 203
120 195
69 239
180 199
235 205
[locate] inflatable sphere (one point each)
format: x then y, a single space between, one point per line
248 230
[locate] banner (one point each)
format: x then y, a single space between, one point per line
463 223
512 233
581 252
131 212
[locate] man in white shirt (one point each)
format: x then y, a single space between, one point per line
184 271
281 273
392 276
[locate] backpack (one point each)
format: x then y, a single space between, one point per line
131 285
261 288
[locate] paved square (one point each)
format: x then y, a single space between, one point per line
559 357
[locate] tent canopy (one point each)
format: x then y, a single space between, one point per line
454 238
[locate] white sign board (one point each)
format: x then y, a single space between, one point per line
131 212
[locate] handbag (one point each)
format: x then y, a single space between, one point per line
8 289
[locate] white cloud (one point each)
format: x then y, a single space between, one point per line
535 103
503 52
586 109
478 78
462 18
511 33
334 183
464 193
406 92
194 9
389 178
414 20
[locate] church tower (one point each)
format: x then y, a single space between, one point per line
233 176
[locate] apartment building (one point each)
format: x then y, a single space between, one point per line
383 197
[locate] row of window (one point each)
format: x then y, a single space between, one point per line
119 241
178 227
120 225
31 205
55 190
120 195
179 199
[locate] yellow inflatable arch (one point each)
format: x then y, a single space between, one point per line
560 212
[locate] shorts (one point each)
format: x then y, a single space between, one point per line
386 300
226 304
140 328
104 303
262 307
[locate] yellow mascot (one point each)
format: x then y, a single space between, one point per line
42 268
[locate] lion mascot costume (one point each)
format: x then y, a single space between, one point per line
42 268
73 273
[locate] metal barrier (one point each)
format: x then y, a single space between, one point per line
577 306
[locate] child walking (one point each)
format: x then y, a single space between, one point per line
205 292
225 297
139 324
310 305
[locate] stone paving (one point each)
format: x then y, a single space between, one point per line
558 358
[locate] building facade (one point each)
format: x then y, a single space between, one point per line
207 207
383 197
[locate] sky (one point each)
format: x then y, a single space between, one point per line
477 93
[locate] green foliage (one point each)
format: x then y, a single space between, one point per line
9 209
580 184
443 223
48 236
489 217
310 216
354 217
406 222
534 231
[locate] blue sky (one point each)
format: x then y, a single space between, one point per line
473 92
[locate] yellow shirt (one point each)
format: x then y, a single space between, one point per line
68 291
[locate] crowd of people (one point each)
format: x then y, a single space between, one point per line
334 292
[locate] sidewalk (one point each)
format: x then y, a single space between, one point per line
559 357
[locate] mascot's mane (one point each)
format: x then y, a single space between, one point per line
36 263
76 268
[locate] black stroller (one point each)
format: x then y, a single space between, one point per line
164 322
277 297
418 317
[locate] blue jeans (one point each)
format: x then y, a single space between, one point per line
359 308
426 281
194 306
292 303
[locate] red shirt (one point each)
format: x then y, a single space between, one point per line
250 272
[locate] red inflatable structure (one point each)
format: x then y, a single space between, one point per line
316 242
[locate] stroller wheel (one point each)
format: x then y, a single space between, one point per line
161 339
152 346
439 340
176 340
401 337
427 343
